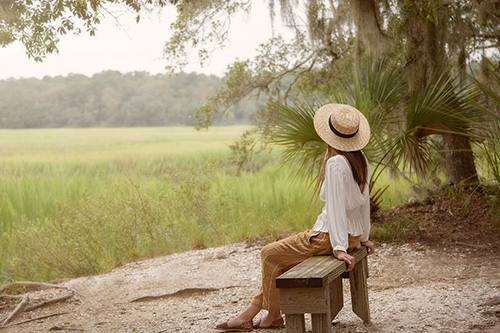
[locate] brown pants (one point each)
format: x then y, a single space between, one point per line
278 257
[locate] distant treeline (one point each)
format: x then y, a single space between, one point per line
108 99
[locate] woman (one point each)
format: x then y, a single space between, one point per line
343 224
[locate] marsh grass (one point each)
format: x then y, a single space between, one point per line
76 202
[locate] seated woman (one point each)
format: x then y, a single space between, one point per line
343 224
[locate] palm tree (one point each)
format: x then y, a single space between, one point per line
442 111
292 125
408 126
489 147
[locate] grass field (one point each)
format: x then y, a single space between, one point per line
82 201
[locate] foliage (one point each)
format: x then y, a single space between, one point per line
442 108
39 24
431 43
272 73
375 91
244 150
428 39
79 202
276 68
201 25
109 99
293 130
489 147
324 36
402 229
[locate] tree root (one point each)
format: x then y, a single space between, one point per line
42 317
24 305
30 285
16 311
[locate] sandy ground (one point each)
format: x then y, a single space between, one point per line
411 289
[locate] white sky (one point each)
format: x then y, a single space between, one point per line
138 48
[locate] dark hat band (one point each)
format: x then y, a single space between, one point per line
337 133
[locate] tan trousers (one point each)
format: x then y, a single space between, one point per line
278 257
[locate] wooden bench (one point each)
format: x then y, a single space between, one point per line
315 286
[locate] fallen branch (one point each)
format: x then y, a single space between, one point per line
24 305
16 311
31 285
38 318
471 245
50 301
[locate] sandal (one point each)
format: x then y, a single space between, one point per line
278 323
246 326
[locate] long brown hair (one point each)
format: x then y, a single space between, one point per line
357 162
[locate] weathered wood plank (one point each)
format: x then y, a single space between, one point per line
321 323
304 300
359 291
295 323
336 297
317 271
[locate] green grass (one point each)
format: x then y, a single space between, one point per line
76 202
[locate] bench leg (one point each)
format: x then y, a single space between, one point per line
295 323
359 290
321 323
336 297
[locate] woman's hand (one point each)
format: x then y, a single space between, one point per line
369 246
347 258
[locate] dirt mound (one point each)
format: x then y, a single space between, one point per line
468 219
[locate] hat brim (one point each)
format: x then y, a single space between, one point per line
357 142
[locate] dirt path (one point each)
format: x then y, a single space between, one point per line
411 289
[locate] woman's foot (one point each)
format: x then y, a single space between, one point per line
270 322
236 325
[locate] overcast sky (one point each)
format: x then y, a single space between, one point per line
131 47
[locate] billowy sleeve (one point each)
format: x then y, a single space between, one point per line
335 195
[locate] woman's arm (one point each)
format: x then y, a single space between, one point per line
335 175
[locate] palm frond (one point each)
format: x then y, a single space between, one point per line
441 108
490 93
490 147
443 102
382 81
293 130
490 152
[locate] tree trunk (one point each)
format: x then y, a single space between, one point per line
460 167
370 37
425 58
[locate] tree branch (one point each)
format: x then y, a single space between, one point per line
24 306
16 311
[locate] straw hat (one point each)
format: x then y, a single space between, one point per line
342 127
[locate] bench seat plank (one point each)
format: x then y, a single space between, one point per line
317 271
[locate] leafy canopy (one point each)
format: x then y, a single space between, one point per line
38 25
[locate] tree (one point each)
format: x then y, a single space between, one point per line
432 41
108 98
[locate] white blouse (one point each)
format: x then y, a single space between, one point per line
346 210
